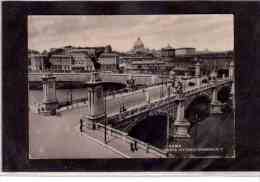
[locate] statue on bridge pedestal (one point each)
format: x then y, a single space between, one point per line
96 111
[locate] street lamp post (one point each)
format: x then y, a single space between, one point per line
105 133
71 92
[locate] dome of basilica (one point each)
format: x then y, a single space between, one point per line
138 44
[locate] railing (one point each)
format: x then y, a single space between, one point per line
125 137
163 101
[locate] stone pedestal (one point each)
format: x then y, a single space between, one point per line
96 102
197 81
181 129
50 102
178 147
181 125
216 107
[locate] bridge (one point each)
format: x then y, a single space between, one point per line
176 101
127 119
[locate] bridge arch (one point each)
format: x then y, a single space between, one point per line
198 108
223 93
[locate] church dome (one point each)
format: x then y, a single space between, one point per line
138 44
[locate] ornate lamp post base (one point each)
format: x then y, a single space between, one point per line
182 140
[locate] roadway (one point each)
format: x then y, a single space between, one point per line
134 98
52 137
59 137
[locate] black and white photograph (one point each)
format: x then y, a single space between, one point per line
131 86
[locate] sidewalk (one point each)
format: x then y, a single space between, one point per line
118 144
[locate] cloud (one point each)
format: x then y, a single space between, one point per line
213 32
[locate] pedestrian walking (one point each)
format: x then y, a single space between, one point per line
132 147
135 146
81 126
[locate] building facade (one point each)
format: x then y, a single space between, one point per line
185 51
109 62
61 63
81 63
167 51
36 62
147 67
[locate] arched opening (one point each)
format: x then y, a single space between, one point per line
151 130
224 94
191 84
198 109
224 97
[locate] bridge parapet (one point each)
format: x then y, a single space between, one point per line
130 140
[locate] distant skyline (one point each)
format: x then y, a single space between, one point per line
212 32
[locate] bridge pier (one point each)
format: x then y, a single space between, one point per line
215 105
96 104
50 102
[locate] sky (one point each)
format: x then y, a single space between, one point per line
212 32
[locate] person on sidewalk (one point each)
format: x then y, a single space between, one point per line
135 146
81 126
132 147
